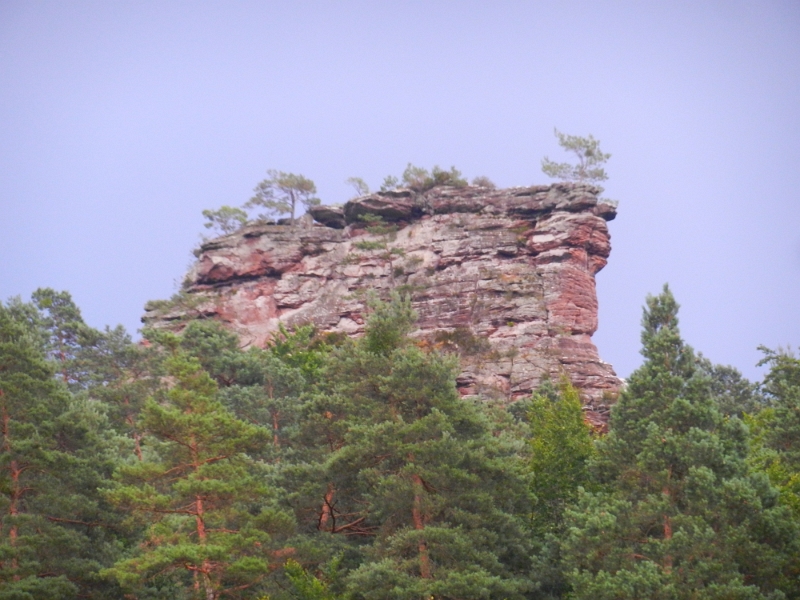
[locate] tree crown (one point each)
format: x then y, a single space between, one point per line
421 180
281 192
590 160
226 219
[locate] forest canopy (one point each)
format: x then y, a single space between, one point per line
322 467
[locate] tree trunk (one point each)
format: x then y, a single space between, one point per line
14 492
137 437
326 512
13 511
276 416
667 536
210 593
418 517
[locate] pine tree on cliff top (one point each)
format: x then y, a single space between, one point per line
282 192
591 159
681 516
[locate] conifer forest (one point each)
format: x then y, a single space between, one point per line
326 468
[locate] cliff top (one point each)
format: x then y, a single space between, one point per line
503 277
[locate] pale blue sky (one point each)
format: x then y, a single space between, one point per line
121 121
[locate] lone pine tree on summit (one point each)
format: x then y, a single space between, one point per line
590 160
281 192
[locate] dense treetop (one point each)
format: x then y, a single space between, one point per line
327 468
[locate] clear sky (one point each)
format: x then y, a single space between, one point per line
121 121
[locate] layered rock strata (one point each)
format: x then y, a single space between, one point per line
503 277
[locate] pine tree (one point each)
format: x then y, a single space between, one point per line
775 447
782 387
260 386
207 504
56 532
734 394
590 160
681 516
120 375
66 330
430 476
282 192
562 446
226 219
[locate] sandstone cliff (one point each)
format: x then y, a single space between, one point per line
503 277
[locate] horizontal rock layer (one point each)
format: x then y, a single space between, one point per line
503 277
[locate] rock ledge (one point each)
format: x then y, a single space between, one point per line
503 277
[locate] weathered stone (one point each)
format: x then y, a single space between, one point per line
390 207
448 200
503 277
258 251
330 216
607 209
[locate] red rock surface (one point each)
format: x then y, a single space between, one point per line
503 277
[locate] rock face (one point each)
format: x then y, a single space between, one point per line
503 277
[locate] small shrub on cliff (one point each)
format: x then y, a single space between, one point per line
463 341
390 182
421 180
385 233
226 219
483 181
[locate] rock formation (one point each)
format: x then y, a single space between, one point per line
503 277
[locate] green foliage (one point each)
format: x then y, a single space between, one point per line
463 341
411 463
679 514
260 386
776 440
590 160
61 319
388 325
186 305
384 233
782 384
359 185
561 447
376 225
324 468
389 183
307 586
207 503
56 452
282 192
120 375
226 219
421 180
218 351
302 349
483 181
735 395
